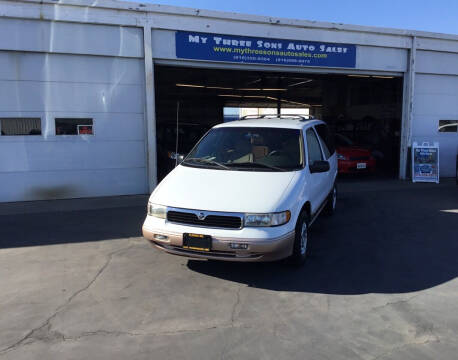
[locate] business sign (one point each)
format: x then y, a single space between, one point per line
242 49
425 162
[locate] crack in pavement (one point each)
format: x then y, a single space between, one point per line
154 334
415 321
48 335
402 301
232 320
397 348
45 333
236 304
39 333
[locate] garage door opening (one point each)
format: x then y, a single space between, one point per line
362 111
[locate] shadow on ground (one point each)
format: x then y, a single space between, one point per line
70 226
378 242
384 238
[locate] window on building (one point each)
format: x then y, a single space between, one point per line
74 126
20 126
448 126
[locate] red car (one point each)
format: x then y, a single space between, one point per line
352 158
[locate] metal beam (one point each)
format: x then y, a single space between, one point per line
150 111
407 111
270 68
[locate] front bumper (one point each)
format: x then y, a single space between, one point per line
260 249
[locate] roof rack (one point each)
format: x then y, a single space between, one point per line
274 116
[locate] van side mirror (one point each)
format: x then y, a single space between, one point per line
180 158
177 157
319 166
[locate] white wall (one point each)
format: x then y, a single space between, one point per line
61 37
436 98
108 89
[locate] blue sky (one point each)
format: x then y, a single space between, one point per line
428 15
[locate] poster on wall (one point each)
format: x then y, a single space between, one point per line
244 49
425 162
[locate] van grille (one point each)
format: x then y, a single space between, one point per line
218 221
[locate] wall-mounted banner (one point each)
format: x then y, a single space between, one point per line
425 162
242 49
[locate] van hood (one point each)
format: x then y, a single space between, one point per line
222 190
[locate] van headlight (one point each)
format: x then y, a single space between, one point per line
158 211
272 219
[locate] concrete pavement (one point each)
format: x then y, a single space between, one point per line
79 282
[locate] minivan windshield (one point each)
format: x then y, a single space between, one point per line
249 149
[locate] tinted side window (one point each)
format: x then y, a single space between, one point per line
448 125
74 126
313 147
20 126
326 151
325 135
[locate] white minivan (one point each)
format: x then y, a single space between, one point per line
248 191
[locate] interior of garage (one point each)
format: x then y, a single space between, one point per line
363 110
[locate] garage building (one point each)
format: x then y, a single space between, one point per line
91 92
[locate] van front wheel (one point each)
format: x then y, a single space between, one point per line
330 208
301 239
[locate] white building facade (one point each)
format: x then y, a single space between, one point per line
80 59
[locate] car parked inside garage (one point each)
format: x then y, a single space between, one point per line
353 158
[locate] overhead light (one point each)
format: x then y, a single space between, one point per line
373 76
190 85
274 89
219 88
255 81
249 89
316 105
295 102
286 101
203 86
264 89
300 83
264 98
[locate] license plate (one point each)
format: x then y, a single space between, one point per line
361 165
197 242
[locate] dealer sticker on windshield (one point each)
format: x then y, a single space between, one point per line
361 165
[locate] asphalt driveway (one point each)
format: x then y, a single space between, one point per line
78 281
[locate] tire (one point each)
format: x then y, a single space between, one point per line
301 239
330 208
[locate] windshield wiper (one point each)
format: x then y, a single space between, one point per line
206 161
254 165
